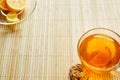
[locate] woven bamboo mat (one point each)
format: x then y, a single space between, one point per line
44 46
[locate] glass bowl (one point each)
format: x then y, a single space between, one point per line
22 15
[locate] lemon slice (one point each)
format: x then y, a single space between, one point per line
16 5
100 59
12 17
3 5
94 46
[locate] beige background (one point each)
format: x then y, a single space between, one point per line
44 46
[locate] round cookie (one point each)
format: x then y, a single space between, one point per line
76 73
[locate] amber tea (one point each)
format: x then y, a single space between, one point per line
99 50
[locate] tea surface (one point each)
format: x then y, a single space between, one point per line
100 51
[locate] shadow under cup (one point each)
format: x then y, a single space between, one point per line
95 58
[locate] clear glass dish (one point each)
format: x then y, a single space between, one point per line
22 15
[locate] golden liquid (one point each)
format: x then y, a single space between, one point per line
99 51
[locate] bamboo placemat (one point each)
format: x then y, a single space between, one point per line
44 46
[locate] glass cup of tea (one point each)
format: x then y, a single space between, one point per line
99 51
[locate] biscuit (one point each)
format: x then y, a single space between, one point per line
76 73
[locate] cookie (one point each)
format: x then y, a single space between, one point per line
77 73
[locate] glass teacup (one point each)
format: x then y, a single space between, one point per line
99 51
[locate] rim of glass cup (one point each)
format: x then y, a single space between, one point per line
27 16
87 65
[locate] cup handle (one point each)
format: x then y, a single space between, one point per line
116 71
